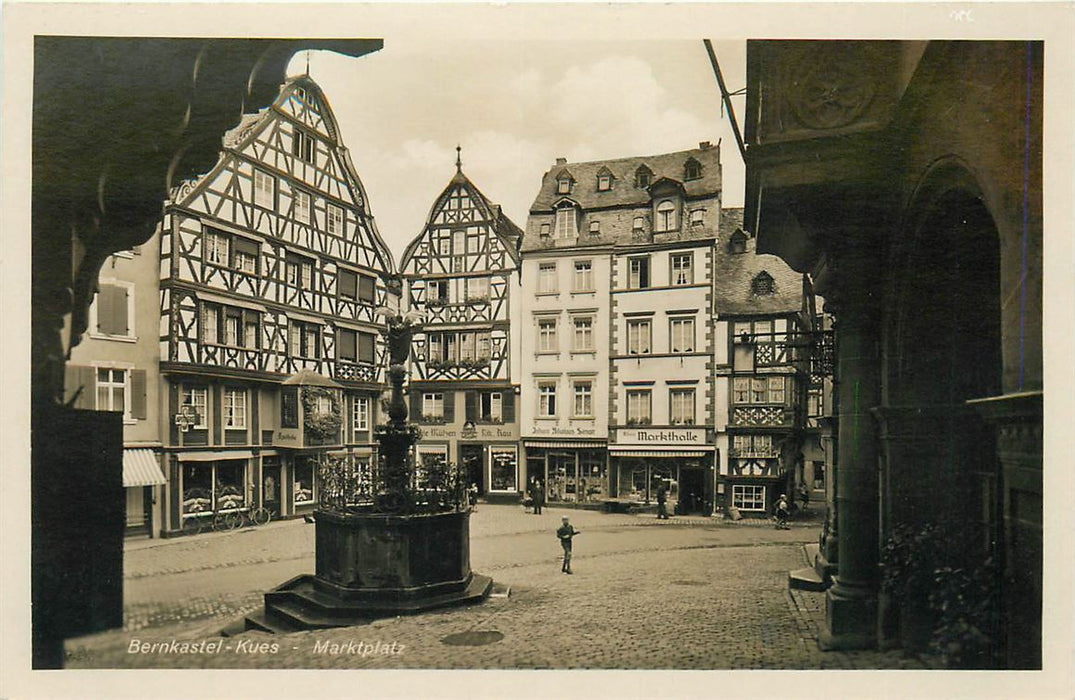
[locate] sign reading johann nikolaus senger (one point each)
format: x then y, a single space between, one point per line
661 436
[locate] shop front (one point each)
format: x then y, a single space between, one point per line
679 459
571 472
487 454
211 482
142 479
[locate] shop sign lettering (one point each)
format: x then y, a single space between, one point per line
480 432
286 436
563 431
661 436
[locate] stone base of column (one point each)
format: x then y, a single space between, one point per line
850 618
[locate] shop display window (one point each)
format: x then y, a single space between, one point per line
503 467
593 478
230 485
304 481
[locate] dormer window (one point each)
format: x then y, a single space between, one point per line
563 182
643 177
666 216
762 284
604 180
567 222
692 169
738 242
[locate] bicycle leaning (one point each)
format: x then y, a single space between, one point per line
233 520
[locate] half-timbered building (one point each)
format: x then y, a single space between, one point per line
271 272
459 273
760 313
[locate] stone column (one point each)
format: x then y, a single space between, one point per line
851 603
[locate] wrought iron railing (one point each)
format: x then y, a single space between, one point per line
349 485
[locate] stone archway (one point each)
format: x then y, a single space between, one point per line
942 347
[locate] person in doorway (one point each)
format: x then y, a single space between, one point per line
472 494
539 496
565 533
662 502
781 509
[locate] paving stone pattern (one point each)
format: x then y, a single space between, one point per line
644 595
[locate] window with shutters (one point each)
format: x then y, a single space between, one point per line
347 284
492 407
234 409
367 289
112 391
432 405
112 312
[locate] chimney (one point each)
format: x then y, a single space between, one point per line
561 161
704 145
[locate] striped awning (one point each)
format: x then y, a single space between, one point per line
659 453
583 444
140 468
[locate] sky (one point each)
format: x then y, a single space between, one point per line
514 107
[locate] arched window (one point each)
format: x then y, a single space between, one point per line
761 284
643 177
692 169
666 216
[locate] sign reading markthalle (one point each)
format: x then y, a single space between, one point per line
660 436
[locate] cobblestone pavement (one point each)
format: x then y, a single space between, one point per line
710 596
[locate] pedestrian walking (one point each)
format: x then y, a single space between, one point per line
565 533
781 509
472 494
539 496
662 502
804 495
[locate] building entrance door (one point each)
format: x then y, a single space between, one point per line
270 485
474 465
692 490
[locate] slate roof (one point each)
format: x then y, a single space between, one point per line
624 192
734 272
